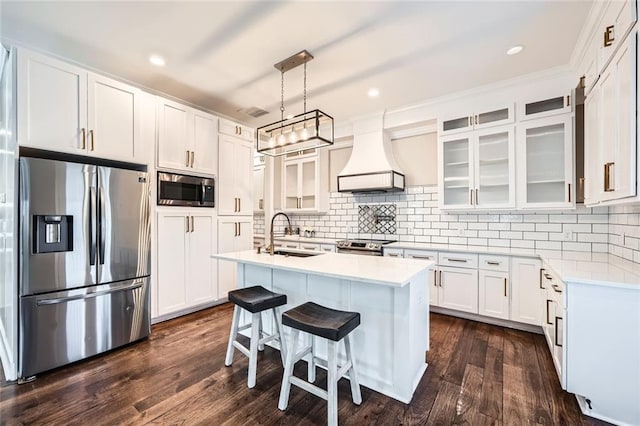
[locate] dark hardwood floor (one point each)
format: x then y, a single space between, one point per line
478 374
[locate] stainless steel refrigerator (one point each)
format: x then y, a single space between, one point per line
84 261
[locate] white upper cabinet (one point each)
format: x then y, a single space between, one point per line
539 107
187 138
235 183
236 130
545 163
481 118
612 30
478 169
300 184
611 129
258 188
65 108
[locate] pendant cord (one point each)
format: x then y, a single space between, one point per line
281 97
305 87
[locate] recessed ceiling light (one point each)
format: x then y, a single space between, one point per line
157 60
515 50
373 92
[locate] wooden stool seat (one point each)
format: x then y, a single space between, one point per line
255 300
334 326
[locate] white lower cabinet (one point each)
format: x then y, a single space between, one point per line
186 272
527 291
493 294
431 256
234 234
458 289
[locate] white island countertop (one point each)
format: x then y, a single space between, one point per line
372 269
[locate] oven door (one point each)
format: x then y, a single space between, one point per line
183 190
362 252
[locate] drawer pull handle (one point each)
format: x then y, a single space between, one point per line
450 259
416 256
556 289
547 276
493 263
394 254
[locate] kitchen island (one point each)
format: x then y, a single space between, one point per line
390 294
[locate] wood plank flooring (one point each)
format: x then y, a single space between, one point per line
478 374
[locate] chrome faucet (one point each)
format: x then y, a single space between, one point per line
270 248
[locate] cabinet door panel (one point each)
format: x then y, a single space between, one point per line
53 103
308 184
205 143
456 173
227 203
172 255
173 135
227 273
493 294
458 289
593 182
202 244
113 118
258 189
526 293
243 173
495 168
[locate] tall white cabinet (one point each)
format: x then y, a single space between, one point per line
235 234
235 184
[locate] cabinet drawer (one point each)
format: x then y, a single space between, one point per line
234 129
309 246
393 252
554 286
288 244
458 260
421 255
494 263
327 248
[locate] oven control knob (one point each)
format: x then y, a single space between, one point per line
373 246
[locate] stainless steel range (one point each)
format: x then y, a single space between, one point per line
366 247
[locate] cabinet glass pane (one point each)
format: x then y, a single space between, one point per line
493 168
545 105
308 184
545 164
456 123
291 186
491 116
456 171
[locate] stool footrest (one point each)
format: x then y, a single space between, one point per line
244 327
241 348
267 339
303 384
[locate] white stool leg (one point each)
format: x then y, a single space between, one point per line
233 334
311 365
288 371
281 339
253 349
355 385
260 332
332 384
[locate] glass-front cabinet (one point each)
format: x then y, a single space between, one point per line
300 184
478 170
482 118
545 173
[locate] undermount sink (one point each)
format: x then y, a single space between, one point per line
291 253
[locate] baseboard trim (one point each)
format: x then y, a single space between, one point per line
488 320
187 311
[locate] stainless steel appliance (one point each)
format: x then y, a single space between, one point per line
84 261
366 247
183 190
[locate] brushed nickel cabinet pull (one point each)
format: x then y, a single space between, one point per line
548 323
609 36
450 259
555 335
91 137
505 287
417 256
84 138
188 156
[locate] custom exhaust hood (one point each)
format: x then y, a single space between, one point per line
371 167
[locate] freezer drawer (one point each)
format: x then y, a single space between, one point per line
63 327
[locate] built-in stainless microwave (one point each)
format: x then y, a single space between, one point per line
183 190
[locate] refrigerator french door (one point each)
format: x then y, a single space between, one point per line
84 261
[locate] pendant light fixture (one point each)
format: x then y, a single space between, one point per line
309 130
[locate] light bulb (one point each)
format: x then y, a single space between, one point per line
272 141
281 139
293 136
305 134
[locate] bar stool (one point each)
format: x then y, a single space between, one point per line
334 326
254 299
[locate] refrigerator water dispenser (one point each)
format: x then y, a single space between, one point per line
52 233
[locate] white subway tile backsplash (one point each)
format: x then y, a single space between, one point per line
614 230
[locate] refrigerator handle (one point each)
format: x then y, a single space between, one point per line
86 296
101 221
92 226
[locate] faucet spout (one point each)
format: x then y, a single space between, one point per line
271 251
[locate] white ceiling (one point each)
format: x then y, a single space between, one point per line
220 55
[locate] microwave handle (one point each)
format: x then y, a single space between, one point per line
202 189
